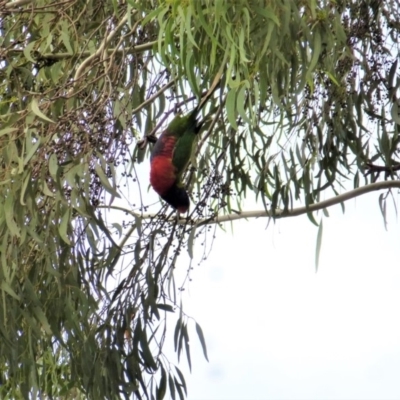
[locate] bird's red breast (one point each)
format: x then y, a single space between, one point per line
162 171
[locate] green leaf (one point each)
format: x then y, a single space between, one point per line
27 51
191 241
382 206
33 146
394 112
178 328
41 316
162 388
189 25
118 227
7 288
187 346
242 49
27 182
392 73
268 13
171 385
9 214
63 228
65 37
231 64
53 167
182 378
165 307
202 340
36 110
146 353
179 390
6 131
105 182
241 102
231 108
318 248
316 52
180 340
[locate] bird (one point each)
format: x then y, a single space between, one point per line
170 157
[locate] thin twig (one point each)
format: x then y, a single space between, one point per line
18 3
382 168
100 51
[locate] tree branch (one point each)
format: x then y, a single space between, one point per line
382 168
89 60
18 3
140 48
303 210
277 213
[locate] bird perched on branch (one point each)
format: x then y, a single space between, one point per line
170 157
172 152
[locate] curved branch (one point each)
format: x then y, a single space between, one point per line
18 3
303 210
382 168
277 213
155 95
89 60
139 48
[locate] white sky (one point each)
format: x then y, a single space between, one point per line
275 329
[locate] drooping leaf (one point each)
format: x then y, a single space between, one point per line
202 340
318 245
36 110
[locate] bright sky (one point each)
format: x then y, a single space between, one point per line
275 329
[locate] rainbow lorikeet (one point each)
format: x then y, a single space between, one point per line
170 156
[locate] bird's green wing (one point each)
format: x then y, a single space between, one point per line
183 151
185 131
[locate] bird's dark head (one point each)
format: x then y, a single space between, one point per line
177 197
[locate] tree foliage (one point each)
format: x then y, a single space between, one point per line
306 106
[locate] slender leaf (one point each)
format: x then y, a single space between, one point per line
318 246
202 340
